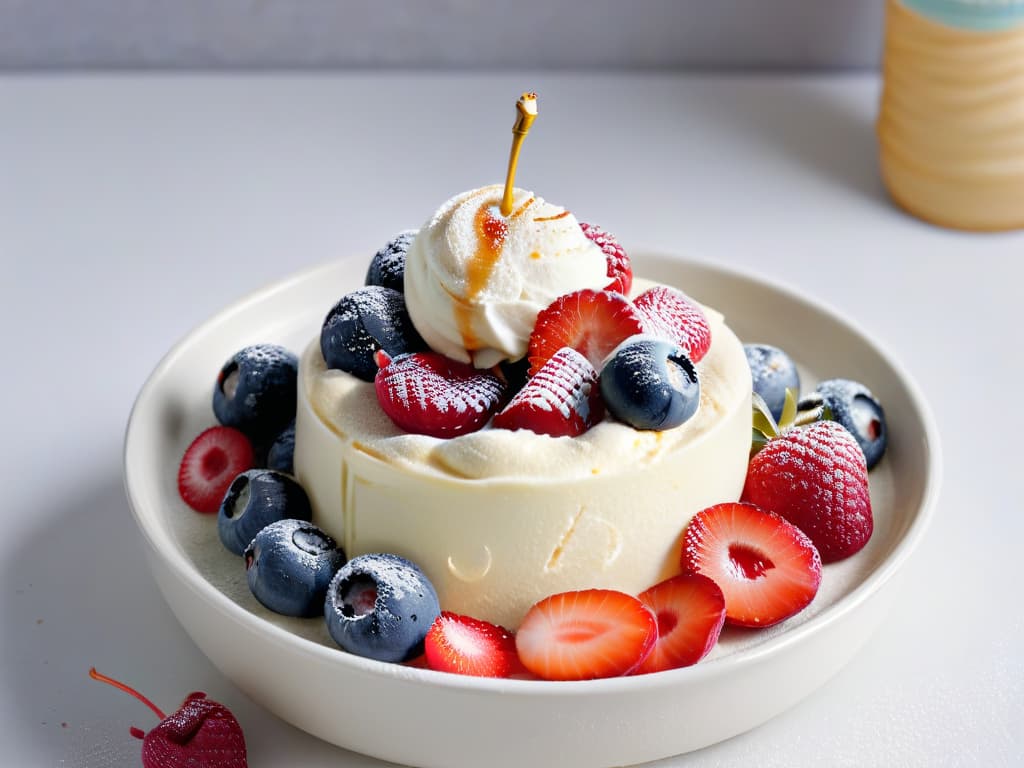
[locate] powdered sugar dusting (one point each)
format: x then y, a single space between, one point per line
670 314
427 393
560 399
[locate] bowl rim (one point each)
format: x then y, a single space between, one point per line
883 572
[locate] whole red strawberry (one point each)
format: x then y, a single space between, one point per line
201 733
816 478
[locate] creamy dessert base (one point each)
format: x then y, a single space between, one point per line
500 519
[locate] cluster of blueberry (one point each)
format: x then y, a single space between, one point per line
848 402
376 605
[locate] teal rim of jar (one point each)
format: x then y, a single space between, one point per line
981 15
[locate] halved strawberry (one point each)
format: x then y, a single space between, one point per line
430 394
562 399
584 635
767 568
468 646
620 270
209 465
670 314
591 322
691 611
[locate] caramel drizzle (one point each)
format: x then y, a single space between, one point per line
557 216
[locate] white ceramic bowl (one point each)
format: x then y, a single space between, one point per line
424 718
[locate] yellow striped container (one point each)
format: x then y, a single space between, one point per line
951 124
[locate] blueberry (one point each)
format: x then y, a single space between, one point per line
388 266
772 372
381 606
255 390
362 322
853 406
650 384
289 565
254 500
282 451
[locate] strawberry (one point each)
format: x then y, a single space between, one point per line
562 399
767 568
817 479
469 646
671 315
691 611
201 733
619 267
430 394
591 322
209 465
585 635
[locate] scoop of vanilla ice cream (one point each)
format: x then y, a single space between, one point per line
475 280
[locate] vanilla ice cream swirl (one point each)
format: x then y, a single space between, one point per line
475 280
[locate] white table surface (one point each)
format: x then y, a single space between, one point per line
132 208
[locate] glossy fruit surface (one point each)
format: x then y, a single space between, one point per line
767 569
209 465
588 634
282 451
362 322
381 606
690 609
289 565
853 406
467 646
591 322
772 372
650 384
255 499
256 389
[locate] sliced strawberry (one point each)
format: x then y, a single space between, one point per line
585 635
209 465
767 568
430 394
691 611
670 314
619 268
562 399
591 322
816 477
468 646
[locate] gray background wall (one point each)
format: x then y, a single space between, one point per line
243 34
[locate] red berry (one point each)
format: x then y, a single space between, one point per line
468 646
430 394
619 268
585 635
816 478
767 568
209 465
671 315
591 322
562 399
201 733
690 609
